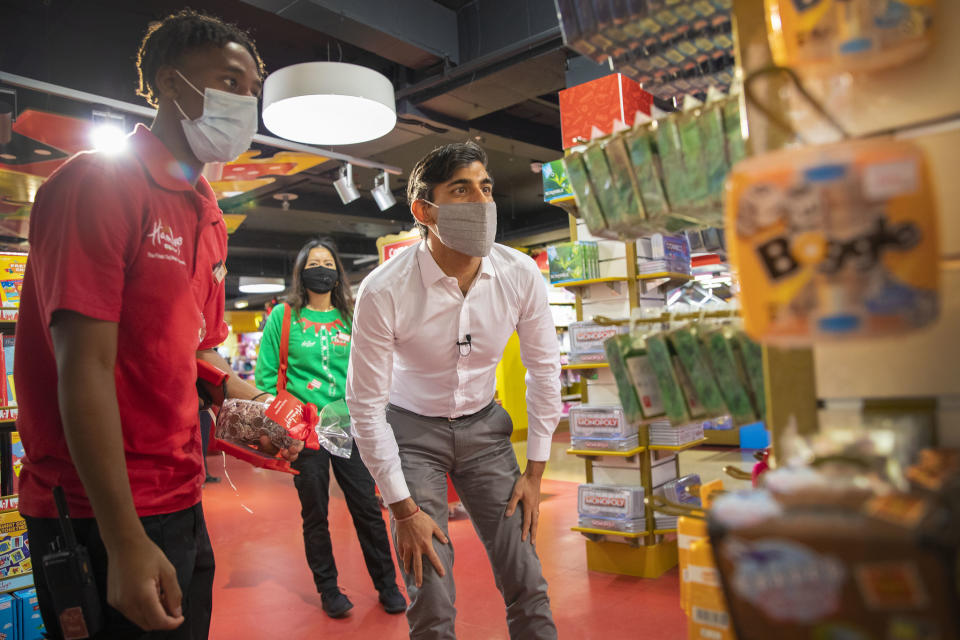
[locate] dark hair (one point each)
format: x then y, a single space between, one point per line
166 41
437 167
341 297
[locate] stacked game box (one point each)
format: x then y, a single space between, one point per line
664 434
587 338
611 507
602 428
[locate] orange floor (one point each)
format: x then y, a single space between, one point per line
263 588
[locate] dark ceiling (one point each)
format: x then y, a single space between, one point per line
462 69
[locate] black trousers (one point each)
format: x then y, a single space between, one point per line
183 538
313 485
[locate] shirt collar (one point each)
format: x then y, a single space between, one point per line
158 161
431 272
166 171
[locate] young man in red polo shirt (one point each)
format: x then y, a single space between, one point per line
123 292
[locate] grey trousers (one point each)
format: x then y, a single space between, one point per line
476 452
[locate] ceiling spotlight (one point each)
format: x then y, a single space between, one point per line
242 303
381 191
108 132
255 284
328 103
285 198
347 191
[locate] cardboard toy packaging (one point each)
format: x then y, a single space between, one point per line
7 617
888 570
849 35
597 104
709 618
835 241
28 615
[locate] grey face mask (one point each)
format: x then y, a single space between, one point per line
467 227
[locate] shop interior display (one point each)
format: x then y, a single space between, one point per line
825 238
734 210
672 48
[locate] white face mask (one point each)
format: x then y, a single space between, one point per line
467 227
225 129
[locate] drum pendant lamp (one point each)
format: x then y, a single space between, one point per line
328 103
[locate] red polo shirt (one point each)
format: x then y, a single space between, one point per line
125 239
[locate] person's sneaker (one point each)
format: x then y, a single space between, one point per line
392 600
335 604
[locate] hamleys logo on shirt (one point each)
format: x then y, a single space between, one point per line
162 236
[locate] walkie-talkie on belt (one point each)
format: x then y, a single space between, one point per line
70 580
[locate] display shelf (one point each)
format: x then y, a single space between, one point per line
570 397
8 415
576 284
585 365
668 275
679 447
663 532
631 559
629 535
590 453
725 437
666 279
562 304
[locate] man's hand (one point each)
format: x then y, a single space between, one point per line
142 585
290 453
527 491
415 539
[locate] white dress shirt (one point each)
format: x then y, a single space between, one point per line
408 320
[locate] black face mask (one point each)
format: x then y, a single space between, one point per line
320 279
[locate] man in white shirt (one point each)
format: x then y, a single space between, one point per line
429 329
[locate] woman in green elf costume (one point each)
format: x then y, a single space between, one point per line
318 310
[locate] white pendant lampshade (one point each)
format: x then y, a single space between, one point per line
328 103
257 284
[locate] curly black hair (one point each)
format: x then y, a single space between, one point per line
437 167
167 40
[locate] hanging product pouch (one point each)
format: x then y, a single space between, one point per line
585 193
835 241
731 378
660 360
690 353
646 167
634 218
848 35
749 357
615 196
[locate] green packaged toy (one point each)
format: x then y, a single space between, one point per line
733 387
751 356
618 349
694 158
585 193
646 168
690 354
626 182
674 404
572 261
736 147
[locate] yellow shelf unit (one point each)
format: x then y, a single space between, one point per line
589 453
669 275
586 365
584 283
679 447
